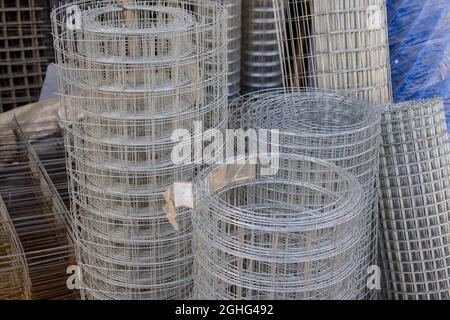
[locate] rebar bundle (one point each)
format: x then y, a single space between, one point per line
37 218
338 45
415 202
331 127
261 67
131 73
292 235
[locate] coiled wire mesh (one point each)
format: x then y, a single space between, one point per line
261 67
331 127
338 45
291 235
415 201
132 72
234 8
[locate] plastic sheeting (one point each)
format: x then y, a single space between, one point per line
419 39
43 115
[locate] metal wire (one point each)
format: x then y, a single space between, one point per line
25 51
132 72
15 283
234 8
46 142
260 59
339 45
37 218
291 235
49 147
331 127
415 202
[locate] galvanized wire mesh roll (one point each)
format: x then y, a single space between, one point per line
415 202
338 45
261 66
234 8
291 235
131 73
331 127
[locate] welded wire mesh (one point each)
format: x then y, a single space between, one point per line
331 127
25 51
38 218
261 67
48 144
234 9
339 45
293 234
415 202
14 279
132 72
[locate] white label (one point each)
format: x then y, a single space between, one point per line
374 17
73 15
183 195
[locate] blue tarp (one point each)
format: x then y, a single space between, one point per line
419 42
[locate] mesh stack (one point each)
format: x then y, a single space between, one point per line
293 234
261 67
338 45
25 51
36 216
415 203
331 127
131 73
48 144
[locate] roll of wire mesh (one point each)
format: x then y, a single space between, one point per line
293 234
415 201
332 127
234 8
337 45
131 73
261 67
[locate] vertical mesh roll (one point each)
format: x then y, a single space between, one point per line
234 8
331 127
291 235
261 67
132 72
338 45
415 202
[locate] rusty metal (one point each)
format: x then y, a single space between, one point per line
38 216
